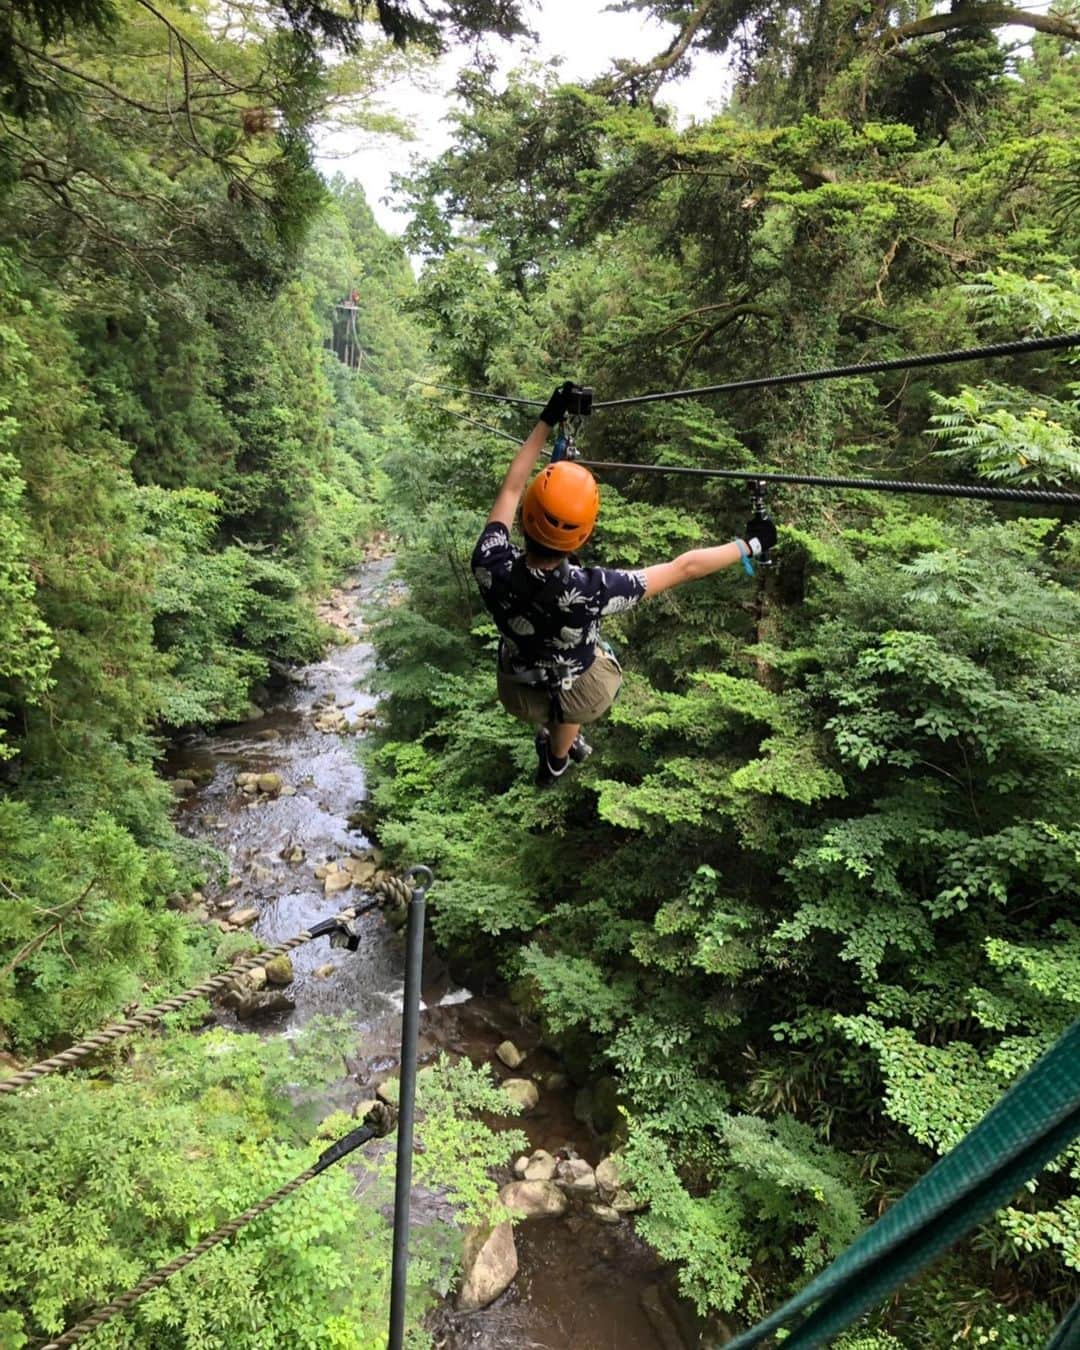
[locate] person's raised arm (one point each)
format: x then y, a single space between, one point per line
760 536
523 463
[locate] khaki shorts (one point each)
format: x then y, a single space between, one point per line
587 699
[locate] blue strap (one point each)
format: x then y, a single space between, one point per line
744 554
559 451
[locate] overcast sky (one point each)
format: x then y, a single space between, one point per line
581 32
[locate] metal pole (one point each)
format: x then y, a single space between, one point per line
410 1027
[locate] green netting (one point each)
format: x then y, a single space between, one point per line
1067 1336
1036 1119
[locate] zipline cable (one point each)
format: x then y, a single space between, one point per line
495 431
481 393
976 491
1022 345
391 889
378 1122
979 492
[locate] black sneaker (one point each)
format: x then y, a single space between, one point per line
579 751
547 774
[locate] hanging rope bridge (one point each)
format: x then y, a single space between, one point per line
390 891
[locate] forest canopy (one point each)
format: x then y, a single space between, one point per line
809 909
810 903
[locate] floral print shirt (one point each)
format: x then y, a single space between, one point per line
550 624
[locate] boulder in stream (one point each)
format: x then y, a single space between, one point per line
609 1176
534 1199
510 1055
262 1005
360 869
240 918
324 972
489 1262
576 1177
540 1167
337 881
605 1213
279 970
183 787
270 783
522 1092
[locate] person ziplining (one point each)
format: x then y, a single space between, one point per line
555 671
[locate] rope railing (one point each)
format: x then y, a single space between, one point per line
378 1122
390 889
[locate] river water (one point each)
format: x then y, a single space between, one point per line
581 1285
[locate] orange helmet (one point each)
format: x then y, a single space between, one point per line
561 506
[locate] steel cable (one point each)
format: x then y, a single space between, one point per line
1022 345
481 393
976 491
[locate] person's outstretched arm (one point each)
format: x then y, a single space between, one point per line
760 536
523 463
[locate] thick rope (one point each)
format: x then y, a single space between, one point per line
1043 344
389 889
978 491
377 1123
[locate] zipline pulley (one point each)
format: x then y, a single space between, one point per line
760 511
578 406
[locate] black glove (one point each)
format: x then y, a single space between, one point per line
763 530
555 407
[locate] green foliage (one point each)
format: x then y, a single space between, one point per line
85 926
102 1184
775 1194
810 901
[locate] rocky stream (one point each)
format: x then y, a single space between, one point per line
279 795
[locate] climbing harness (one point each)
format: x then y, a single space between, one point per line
378 1122
388 893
